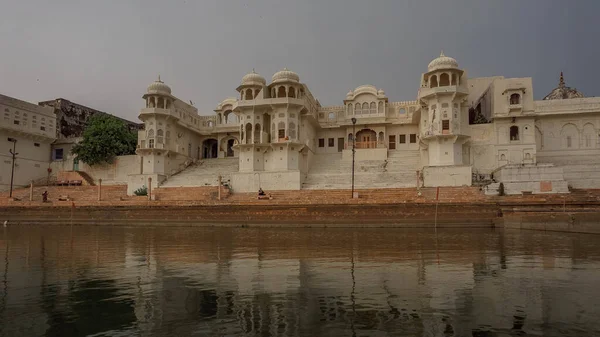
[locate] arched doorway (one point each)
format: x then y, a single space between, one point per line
366 139
209 148
227 145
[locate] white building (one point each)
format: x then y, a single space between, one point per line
29 129
278 136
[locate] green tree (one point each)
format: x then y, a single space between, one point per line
104 138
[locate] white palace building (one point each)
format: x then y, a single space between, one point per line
458 131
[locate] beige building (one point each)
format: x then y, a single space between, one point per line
29 129
458 131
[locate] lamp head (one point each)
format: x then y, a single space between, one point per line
353 120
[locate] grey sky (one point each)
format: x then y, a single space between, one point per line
104 53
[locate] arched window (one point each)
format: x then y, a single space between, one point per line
281 91
514 132
161 103
503 157
331 115
402 111
380 139
248 94
453 79
292 92
515 99
248 133
168 104
365 108
373 108
433 82
257 133
152 102
159 136
150 137
292 130
281 130
381 105
350 110
589 135
444 80
570 135
358 109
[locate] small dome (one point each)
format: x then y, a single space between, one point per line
563 92
285 75
350 94
253 78
159 86
381 92
442 62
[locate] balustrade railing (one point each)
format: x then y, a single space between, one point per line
365 145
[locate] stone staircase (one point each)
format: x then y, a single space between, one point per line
330 171
579 172
204 173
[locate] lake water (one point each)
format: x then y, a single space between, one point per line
183 281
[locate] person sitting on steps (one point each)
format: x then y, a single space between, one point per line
45 196
261 192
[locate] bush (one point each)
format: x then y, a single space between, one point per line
501 189
141 191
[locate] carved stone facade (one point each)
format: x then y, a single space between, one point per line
456 129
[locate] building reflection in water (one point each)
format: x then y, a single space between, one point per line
59 281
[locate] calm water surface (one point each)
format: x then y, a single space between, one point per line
101 281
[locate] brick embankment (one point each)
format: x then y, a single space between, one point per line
376 215
457 206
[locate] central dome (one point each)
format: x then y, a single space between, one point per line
563 92
442 62
285 75
253 78
158 86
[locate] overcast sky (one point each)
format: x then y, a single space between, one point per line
103 54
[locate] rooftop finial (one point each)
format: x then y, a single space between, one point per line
561 83
159 78
442 54
254 72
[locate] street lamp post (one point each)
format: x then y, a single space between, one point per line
353 151
14 154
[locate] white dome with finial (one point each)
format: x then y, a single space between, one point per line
285 75
158 86
253 79
442 62
350 94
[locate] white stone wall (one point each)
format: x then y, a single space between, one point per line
31 163
269 181
114 173
34 128
434 176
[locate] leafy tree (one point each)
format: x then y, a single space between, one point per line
104 138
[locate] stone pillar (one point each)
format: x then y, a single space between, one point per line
219 184
99 189
149 188
31 191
